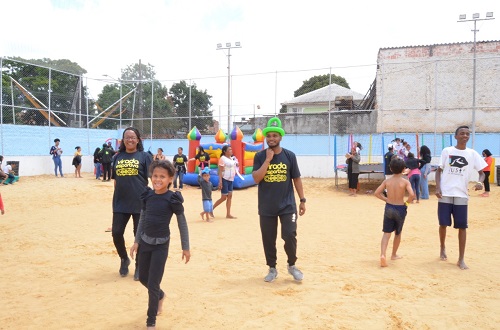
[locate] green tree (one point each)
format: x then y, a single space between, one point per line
145 94
201 115
317 82
61 79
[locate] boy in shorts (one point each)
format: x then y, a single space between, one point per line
206 194
395 208
452 179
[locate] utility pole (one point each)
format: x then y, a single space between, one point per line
475 18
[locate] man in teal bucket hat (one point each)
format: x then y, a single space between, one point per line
277 172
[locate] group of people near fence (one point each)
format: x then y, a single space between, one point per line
407 175
277 174
456 165
417 170
103 158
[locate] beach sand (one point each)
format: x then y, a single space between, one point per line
59 268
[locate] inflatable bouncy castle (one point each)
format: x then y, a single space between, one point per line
243 151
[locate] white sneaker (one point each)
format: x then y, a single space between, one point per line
272 275
296 273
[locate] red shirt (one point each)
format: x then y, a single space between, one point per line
488 161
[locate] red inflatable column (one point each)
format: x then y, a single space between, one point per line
194 137
238 147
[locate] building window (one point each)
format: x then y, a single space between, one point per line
296 110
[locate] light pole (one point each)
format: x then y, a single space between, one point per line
475 18
228 47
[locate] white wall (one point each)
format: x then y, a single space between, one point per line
427 88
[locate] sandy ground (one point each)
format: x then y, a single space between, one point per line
59 268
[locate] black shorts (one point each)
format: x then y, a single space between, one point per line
394 218
456 207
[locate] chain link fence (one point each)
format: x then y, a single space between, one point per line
418 97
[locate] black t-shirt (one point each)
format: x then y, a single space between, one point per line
412 163
204 159
130 172
276 193
180 162
159 209
97 158
387 162
107 155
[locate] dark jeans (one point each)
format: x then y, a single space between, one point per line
152 259
10 179
269 231
486 181
107 170
415 185
180 175
120 221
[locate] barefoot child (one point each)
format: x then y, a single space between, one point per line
206 194
395 208
153 234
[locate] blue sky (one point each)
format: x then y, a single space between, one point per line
179 38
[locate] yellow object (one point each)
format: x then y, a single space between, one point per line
493 173
407 204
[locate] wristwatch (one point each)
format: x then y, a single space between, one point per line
302 200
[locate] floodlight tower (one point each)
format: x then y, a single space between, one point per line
475 18
228 47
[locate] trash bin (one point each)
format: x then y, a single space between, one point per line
498 175
15 166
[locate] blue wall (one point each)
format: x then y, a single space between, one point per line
18 140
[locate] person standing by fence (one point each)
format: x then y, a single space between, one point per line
425 170
97 163
413 164
107 157
180 161
56 153
353 160
77 161
487 170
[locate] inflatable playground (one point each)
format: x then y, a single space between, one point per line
243 151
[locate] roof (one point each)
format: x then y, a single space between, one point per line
325 94
444 44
